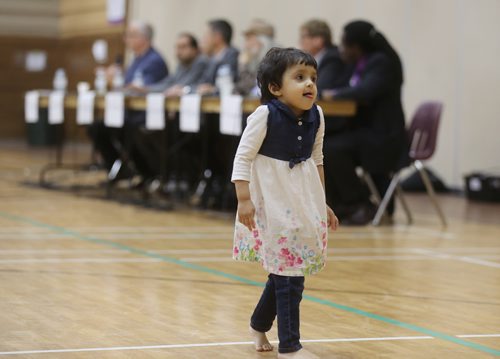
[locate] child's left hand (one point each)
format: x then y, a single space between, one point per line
333 221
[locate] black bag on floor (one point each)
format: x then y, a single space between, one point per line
483 186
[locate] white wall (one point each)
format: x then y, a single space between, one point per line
450 50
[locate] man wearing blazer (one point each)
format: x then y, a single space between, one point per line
216 45
333 72
316 39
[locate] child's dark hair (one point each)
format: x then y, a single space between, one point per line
274 65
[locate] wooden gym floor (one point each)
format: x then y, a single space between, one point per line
84 277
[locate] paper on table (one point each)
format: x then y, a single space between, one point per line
155 111
231 113
56 107
31 106
85 108
114 109
189 117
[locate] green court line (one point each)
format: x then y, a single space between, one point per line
197 267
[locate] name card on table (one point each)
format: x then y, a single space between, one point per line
189 117
114 109
31 106
85 108
155 111
231 113
56 107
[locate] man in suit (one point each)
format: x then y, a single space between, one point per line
316 39
146 68
192 65
217 46
333 72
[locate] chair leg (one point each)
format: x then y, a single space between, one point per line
385 201
430 190
113 172
404 204
371 186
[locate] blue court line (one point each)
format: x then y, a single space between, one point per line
416 328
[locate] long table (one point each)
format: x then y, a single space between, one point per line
208 104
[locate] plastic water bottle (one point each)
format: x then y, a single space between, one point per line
60 82
100 82
224 80
118 80
138 79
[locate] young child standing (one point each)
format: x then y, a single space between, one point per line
282 220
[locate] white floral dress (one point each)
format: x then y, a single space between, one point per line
290 238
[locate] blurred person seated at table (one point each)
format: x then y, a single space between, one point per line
150 144
333 72
316 39
259 39
192 65
222 70
376 138
148 67
216 44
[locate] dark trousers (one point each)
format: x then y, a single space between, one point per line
281 297
106 141
218 152
121 143
149 152
221 148
343 186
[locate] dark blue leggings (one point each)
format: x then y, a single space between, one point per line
281 297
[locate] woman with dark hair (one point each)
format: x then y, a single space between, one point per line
376 137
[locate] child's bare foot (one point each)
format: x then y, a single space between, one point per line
301 354
260 341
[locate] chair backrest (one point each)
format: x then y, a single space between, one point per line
423 130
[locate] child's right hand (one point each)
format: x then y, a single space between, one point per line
246 213
333 221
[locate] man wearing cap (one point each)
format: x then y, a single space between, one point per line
259 39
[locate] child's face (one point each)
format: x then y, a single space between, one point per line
298 89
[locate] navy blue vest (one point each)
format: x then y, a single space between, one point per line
289 138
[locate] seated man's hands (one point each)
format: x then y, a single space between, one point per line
328 94
206 89
135 89
174 91
111 72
